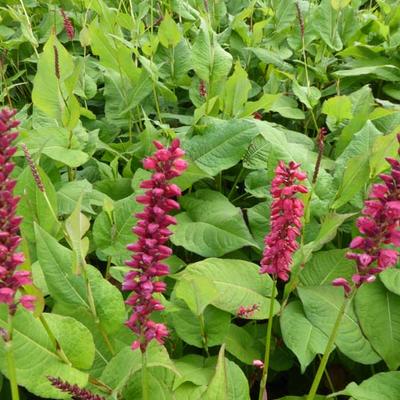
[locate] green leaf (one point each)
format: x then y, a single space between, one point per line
57 143
308 96
123 366
70 289
238 282
256 183
378 311
384 146
355 178
300 336
242 345
325 266
33 206
188 327
237 89
228 382
168 32
340 4
338 107
112 237
222 145
35 355
46 93
211 225
321 306
391 279
197 293
195 369
75 339
192 175
210 61
384 72
384 385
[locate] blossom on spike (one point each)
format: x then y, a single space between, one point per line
74 390
258 364
286 213
10 279
379 228
151 247
247 312
69 29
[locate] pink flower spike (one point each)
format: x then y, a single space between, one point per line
379 225
342 282
153 234
286 213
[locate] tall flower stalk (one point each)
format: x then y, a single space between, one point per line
280 244
373 251
150 250
11 279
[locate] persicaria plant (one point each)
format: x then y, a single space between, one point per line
199 200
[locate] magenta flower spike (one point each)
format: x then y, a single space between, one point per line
379 228
286 213
150 249
69 29
10 279
74 390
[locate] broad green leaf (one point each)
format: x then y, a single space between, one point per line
70 289
238 282
257 153
75 339
195 369
391 279
197 293
122 366
192 174
383 72
57 143
308 96
46 94
325 266
188 326
242 345
228 382
259 221
300 336
264 103
210 61
384 385
324 23
321 306
222 145
35 356
76 226
378 311
168 32
237 89
211 225
257 183
112 237
271 57
384 146
355 178
340 4
33 206
338 107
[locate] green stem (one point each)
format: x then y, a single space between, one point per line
12 373
59 351
329 346
203 334
145 384
264 377
238 176
107 276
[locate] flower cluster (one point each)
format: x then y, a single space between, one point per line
202 89
69 29
10 279
286 213
247 312
150 249
379 226
74 390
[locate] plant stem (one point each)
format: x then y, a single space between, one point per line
145 384
203 334
12 373
238 176
329 346
264 377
